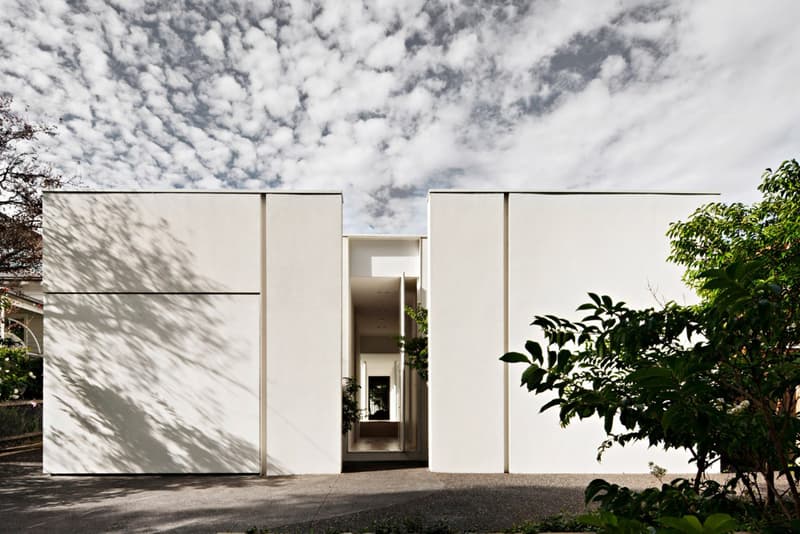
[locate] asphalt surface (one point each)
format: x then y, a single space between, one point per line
33 501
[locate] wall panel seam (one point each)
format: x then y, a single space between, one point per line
506 428
152 293
262 371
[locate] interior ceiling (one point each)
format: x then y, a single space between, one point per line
377 304
375 293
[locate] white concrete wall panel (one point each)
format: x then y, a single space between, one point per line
151 384
560 248
303 338
384 257
422 295
151 242
466 333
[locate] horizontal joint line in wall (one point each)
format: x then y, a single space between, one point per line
152 293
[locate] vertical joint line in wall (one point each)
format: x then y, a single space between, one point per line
262 404
505 332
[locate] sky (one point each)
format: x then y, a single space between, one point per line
386 99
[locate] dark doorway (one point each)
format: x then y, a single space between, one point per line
378 398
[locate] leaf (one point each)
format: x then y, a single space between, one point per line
515 357
717 283
532 377
719 524
608 422
535 350
687 524
653 377
542 322
587 306
563 358
551 404
595 298
595 487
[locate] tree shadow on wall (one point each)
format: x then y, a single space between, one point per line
143 377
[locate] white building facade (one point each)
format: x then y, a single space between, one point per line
209 332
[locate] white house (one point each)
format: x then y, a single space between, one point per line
209 332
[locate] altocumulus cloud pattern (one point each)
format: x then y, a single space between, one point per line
385 99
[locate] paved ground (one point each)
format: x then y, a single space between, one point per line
32 501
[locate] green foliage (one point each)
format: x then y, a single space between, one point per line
609 523
20 375
350 412
18 420
718 379
677 498
416 348
689 524
718 234
408 525
554 523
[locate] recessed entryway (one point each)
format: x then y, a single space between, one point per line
381 279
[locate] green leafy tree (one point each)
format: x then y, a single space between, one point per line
719 234
718 378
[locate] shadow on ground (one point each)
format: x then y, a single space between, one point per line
30 500
354 501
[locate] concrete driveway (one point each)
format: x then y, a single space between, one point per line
30 500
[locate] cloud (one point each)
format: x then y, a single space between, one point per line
385 99
211 44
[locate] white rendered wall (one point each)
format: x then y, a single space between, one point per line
151 384
303 338
561 247
384 257
152 242
466 392
159 373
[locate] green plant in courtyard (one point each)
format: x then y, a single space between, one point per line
350 411
416 348
718 379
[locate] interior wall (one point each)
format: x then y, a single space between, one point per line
384 257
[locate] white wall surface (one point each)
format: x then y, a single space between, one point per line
466 393
384 257
159 373
560 248
151 384
303 338
151 242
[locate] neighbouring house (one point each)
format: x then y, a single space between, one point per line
209 332
23 321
